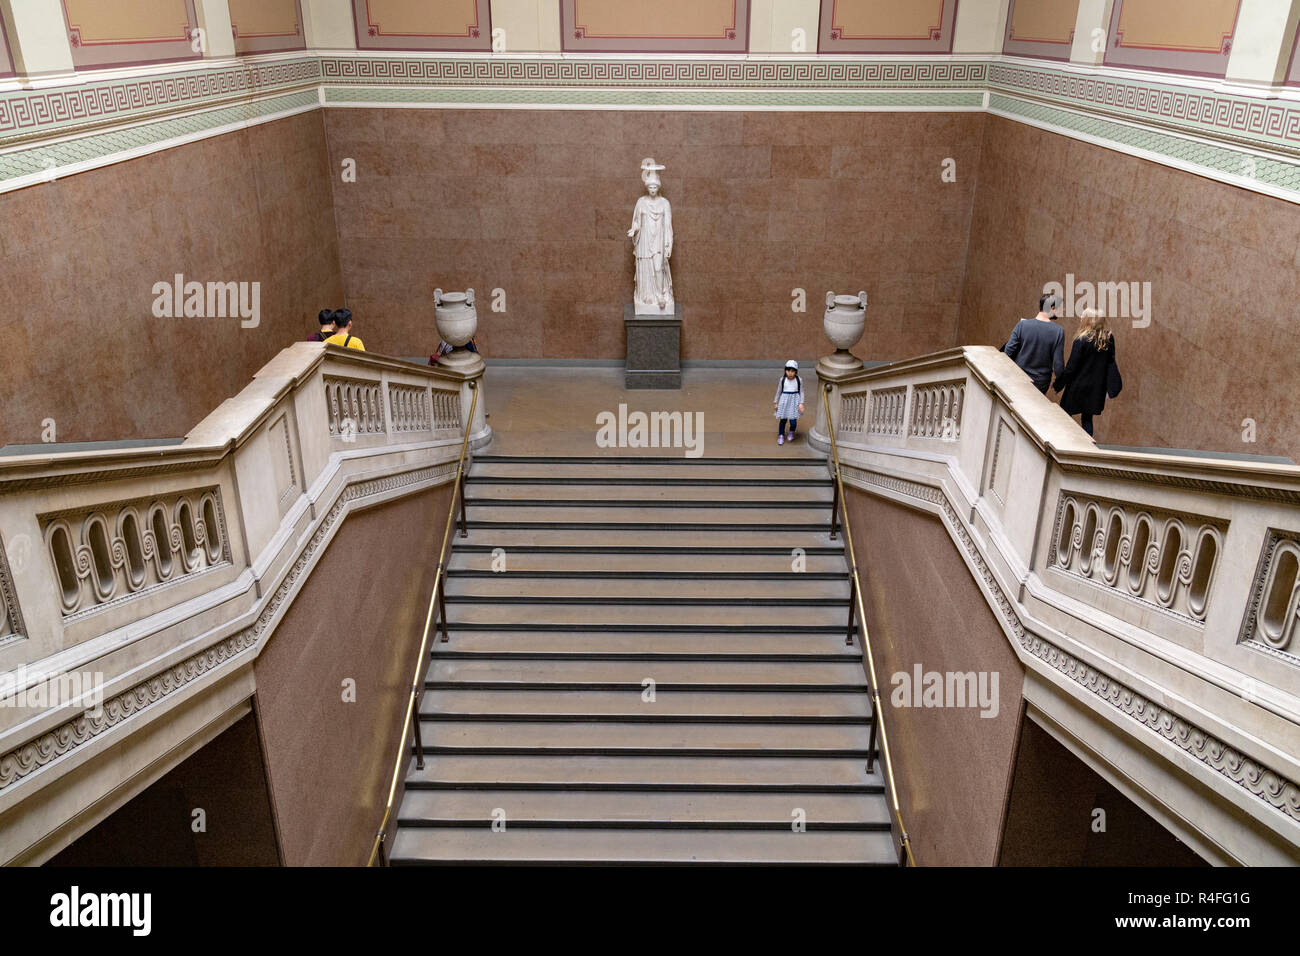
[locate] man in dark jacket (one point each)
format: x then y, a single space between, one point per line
1037 345
326 326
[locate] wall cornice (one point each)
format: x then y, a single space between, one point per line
1230 133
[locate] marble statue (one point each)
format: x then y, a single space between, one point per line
652 243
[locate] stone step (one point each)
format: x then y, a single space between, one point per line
668 704
677 515
619 737
513 584
784 774
524 807
646 644
518 560
733 536
454 845
521 490
650 467
537 673
537 612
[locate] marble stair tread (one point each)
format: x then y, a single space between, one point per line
523 806
541 671
613 737
632 846
821 492
793 774
535 611
647 644
507 584
736 536
680 515
810 468
629 703
676 561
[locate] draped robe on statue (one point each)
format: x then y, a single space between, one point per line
653 221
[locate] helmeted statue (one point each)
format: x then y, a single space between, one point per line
652 243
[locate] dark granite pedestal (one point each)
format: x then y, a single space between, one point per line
654 349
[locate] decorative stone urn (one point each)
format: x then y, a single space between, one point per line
846 319
455 316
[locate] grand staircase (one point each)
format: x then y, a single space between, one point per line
638 672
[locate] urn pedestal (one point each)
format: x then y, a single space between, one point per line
654 349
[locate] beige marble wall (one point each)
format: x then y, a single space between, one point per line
538 203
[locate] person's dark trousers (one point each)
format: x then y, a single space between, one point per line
1086 421
780 428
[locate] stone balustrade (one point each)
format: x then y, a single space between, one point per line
1152 598
136 581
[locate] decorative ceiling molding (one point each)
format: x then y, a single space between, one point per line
1251 141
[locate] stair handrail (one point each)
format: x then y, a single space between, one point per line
905 857
412 722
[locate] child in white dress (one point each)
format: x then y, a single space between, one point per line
788 403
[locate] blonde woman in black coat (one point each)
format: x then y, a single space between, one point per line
1091 374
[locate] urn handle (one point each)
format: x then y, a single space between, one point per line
469 297
830 300
437 297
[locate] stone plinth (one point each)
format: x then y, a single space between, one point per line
654 349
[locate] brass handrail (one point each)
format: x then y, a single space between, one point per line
878 713
421 664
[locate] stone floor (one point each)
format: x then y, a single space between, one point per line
552 411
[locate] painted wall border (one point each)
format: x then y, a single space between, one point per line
1245 139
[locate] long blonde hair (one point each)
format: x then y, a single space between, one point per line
1092 326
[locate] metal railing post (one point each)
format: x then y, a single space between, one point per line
415 726
442 608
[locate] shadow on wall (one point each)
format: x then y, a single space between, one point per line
225 781
1063 813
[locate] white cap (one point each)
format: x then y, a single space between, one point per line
792 364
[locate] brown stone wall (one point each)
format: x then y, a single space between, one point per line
360 616
79 258
1223 266
538 203
953 767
